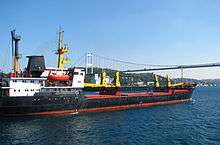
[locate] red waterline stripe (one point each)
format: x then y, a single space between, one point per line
132 106
99 109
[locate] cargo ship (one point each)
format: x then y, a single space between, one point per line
58 91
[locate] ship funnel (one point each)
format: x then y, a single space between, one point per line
15 53
36 65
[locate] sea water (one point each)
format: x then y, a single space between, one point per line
196 122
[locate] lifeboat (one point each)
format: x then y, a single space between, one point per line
58 77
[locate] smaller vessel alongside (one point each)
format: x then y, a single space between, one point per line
57 91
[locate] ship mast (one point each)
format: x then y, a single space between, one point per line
61 50
15 53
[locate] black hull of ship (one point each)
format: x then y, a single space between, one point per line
26 105
70 104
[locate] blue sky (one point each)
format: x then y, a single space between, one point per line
143 31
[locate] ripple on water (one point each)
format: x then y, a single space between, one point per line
196 122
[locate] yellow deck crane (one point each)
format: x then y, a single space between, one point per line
157 81
117 79
104 84
168 81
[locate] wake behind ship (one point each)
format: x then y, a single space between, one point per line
57 91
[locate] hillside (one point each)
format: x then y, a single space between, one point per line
130 79
205 82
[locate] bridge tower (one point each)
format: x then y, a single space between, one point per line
89 63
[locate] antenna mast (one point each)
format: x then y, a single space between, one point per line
15 53
61 50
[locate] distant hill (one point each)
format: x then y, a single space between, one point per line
188 80
212 81
127 79
205 82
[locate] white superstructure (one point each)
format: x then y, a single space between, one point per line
28 86
78 78
25 86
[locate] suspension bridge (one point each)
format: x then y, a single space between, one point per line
91 61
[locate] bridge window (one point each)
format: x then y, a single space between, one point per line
76 73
